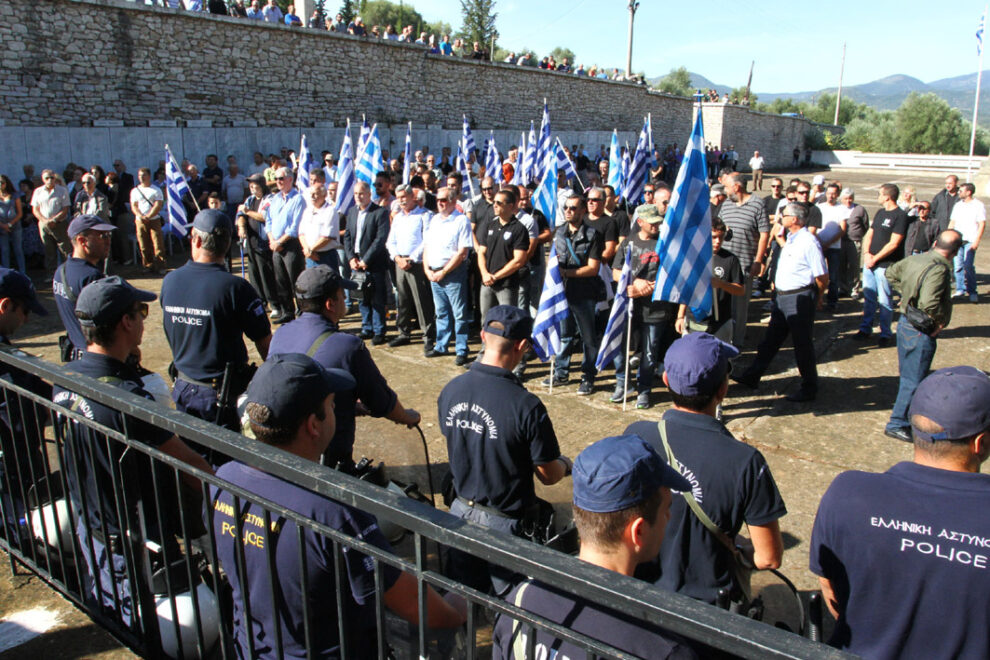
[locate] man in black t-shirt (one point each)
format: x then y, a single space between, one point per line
502 247
727 281
883 245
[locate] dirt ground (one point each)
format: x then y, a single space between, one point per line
806 445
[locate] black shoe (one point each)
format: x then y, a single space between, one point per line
801 396
861 336
378 340
365 334
899 433
401 340
461 360
430 353
585 388
746 380
883 342
557 382
428 348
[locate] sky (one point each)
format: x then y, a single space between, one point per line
718 39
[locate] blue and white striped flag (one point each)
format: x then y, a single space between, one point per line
175 188
979 33
517 172
363 139
639 170
407 155
467 189
545 195
543 144
624 168
685 244
563 162
193 5
493 165
649 135
529 164
306 162
467 141
345 176
552 311
370 162
613 342
615 163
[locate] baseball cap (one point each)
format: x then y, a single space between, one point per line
85 222
257 178
210 220
106 300
955 398
291 385
320 282
17 286
696 363
717 189
516 324
619 472
818 180
648 212
846 192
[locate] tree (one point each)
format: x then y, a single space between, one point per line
348 10
479 21
678 82
739 96
559 53
383 12
927 124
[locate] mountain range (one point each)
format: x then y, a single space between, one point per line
886 93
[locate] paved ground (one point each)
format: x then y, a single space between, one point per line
805 445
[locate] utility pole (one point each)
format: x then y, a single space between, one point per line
838 98
633 6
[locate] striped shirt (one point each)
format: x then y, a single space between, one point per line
746 221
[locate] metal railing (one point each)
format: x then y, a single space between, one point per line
146 616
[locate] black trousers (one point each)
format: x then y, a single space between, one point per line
413 295
793 314
289 263
261 271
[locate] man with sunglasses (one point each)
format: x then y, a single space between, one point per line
503 244
90 238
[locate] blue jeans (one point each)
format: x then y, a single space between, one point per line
876 296
328 258
450 298
13 238
373 307
965 267
580 320
914 358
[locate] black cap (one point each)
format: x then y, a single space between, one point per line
291 385
320 282
104 301
516 324
210 220
17 286
83 223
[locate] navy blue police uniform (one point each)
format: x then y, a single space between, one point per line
69 280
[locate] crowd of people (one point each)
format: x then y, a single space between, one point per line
450 263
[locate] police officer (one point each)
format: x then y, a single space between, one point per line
320 298
206 311
498 436
90 237
112 315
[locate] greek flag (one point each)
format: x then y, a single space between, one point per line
624 168
685 243
492 165
517 174
545 196
467 141
466 188
615 331
551 312
194 5
370 162
305 164
175 188
979 34
529 164
543 144
345 176
407 155
615 163
649 136
363 139
563 162
639 170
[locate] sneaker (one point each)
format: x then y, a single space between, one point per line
619 394
643 401
378 340
973 298
460 360
557 382
959 294
585 388
366 334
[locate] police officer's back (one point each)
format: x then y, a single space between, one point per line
206 312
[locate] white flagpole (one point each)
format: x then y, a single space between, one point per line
976 103
625 384
553 371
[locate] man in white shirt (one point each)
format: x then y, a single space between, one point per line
969 218
833 213
146 205
756 164
319 229
233 189
51 206
445 250
412 287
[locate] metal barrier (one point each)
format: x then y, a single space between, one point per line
150 624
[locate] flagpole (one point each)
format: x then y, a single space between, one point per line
625 384
553 371
976 104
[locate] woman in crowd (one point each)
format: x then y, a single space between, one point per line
11 225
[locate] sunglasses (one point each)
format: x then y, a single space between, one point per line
571 208
143 310
803 192
776 185
596 199
280 178
488 189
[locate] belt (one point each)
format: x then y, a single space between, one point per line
486 509
213 383
810 287
112 543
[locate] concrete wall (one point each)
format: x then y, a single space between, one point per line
118 79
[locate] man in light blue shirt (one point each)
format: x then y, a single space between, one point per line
802 277
272 12
254 12
445 249
412 288
282 218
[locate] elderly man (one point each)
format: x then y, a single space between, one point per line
50 204
802 276
282 217
744 216
90 201
233 188
364 245
412 287
857 224
319 229
756 164
445 250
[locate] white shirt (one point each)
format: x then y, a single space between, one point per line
966 218
405 238
257 169
756 163
320 223
145 197
801 261
50 202
445 236
233 190
833 214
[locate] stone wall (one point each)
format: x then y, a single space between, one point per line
118 79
